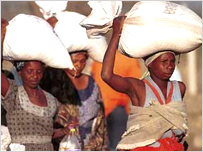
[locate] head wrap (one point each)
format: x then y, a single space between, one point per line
151 58
80 52
19 65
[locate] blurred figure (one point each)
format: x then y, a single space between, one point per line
116 104
82 106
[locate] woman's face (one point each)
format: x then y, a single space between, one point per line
163 66
32 73
79 62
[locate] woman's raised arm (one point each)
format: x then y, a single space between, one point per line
117 82
4 80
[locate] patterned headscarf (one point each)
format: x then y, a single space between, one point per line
19 65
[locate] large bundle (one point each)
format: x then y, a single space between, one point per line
74 36
71 33
32 38
102 15
153 26
48 8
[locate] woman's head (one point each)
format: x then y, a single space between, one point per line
31 72
161 64
79 59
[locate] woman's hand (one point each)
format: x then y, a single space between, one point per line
58 133
52 21
66 130
63 131
4 82
118 24
4 23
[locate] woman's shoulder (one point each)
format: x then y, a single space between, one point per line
12 90
13 85
89 78
181 85
182 88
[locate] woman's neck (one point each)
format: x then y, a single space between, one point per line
32 92
36 96
80 82
161 83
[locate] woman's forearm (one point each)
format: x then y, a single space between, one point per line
4 82
109 57
58 133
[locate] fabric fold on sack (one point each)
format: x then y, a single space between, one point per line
146 125
150 27
101 18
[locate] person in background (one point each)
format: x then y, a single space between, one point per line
116 103
9 75
82 105
157 102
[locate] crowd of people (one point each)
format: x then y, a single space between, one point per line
109 109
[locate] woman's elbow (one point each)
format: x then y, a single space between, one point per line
106 77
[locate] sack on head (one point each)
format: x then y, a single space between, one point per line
74 36
29 37
150 27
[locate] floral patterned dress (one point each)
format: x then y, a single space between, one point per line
29 125
90 116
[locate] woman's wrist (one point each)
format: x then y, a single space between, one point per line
58 133
66 130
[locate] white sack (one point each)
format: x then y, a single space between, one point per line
29 37
5 138
74 36
17 147
153 26
49 8
102 15
156 26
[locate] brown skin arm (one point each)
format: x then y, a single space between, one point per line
108 63
60 132
129 86
4 81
